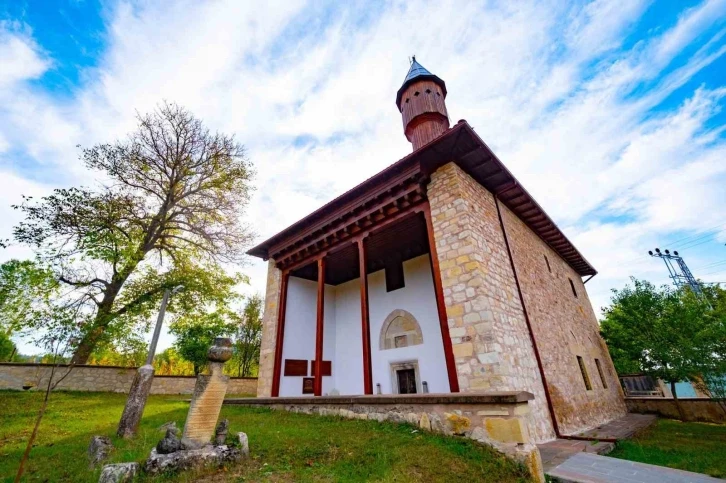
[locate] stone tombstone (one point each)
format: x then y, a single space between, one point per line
208 396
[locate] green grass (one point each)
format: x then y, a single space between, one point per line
699 447
284 446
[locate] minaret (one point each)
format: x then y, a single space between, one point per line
421 102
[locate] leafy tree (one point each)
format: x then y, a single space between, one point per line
665 333
195 334
712 379
249 337
131 351
167 214
170 363
27 291
7 347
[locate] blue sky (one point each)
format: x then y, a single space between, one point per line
610 113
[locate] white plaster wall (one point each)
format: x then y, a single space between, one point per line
348 365
329 338
418 298
342 344
299 340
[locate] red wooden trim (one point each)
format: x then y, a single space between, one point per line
281 307
318 386
288 235
365 318
406 189
371 217
440 305
409 211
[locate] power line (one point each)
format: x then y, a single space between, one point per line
672 243
709 232
691 244
720 262
716 271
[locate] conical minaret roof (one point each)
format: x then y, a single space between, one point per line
415 73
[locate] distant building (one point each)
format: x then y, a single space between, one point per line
468 285
640 385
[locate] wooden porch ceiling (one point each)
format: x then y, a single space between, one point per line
402 240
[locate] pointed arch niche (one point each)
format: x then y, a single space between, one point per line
400 329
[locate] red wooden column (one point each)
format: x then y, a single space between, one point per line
440 305
318 382
281 307
365 319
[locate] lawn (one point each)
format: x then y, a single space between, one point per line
284 446
699 447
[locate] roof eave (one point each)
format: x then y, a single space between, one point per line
445 150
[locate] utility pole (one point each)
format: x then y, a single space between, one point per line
141 386
678 270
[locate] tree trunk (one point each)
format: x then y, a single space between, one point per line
88 344
681 413
29 446
100 323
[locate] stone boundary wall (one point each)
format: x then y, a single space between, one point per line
105 379
696 409
497 419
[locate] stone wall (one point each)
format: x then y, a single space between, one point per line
500 420
695 409
491 342
564 326
105 379
269 330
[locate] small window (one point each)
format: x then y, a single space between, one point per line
547 261
602 374
438 93
416 93
583 370
572 286
394 276
428 91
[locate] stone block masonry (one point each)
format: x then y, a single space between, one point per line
269 330
105 379
565 328
491 342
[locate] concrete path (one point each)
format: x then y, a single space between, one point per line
569 460
592 468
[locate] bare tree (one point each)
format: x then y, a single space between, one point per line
168 215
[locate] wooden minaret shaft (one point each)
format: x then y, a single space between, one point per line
423 110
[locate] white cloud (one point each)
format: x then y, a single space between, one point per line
20 55
311 93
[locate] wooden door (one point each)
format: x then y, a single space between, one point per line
406 381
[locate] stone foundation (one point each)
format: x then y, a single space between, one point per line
105 379
498 419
